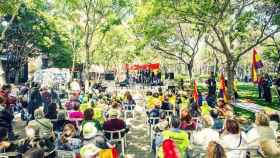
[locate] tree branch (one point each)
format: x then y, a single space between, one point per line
168 53
212 46
260 40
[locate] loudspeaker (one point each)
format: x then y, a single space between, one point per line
109 77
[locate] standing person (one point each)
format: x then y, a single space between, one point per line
46 99
35 99
267 83
260 86
212 84
277 83
6 118
55 97
4 93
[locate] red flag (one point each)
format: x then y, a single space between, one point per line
195 91
223 90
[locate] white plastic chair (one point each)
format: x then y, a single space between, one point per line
168 115
152 121
128 108
65 154
120 136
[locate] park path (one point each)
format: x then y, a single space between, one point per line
137 138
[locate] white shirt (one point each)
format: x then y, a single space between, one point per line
204 136
274 126
259 133
234 141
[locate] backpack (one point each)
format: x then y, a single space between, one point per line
170 149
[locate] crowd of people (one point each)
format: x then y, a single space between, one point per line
212 127
265 83
181 124
76 126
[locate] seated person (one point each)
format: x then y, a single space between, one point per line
34 153
172 98
128 98
224 109
69 105
205 109
200 98
233 138
61 121
261 131
99 114
180 137
75 113
218 123
114 124
89 117
206 134
195 110
155 112
43 124
149 100
215 150
269 148
211 100
6 118
33 140
274 122
115 107
129 103
5 144
51 111
187 123
163 124
68 139
165 104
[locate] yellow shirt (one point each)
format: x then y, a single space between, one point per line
149 102
172 100
180 138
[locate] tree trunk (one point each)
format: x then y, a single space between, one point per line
230 69
216 66
190 68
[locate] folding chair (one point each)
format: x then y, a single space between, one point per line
9 154
253 152
152 121
117 136
168 114
129 108
65 154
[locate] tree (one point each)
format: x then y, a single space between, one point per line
168 35
234 27
97 17
272 52
32 34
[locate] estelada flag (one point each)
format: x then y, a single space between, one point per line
256 64
223 89
195 91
